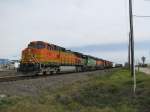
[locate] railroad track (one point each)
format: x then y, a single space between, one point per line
14 78
24 77
20 77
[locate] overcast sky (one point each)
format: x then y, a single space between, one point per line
71 23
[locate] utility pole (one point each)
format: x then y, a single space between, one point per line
132 44
129 53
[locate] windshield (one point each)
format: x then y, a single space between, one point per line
38 45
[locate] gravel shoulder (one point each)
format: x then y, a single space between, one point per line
9 73
34 86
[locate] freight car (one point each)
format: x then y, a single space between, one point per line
45 58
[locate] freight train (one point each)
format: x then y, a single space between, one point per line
45 58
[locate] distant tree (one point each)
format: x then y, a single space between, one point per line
143 59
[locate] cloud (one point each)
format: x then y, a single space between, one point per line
116 52
115 47
67 23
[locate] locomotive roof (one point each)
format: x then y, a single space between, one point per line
47 44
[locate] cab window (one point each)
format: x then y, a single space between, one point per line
37 45
40 45
49 47
31 45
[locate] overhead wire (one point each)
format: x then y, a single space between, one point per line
141 16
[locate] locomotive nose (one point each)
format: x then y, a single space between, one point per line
26 56
29 50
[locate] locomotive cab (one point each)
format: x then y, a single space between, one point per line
31 55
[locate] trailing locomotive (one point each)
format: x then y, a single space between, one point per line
42 57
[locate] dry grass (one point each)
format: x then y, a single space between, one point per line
101 93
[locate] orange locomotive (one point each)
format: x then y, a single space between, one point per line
47 58
45 53
39 54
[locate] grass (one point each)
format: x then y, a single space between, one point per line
108 92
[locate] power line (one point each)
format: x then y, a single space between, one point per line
139 16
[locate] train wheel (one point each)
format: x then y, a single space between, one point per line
44 72
58 71
51 72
